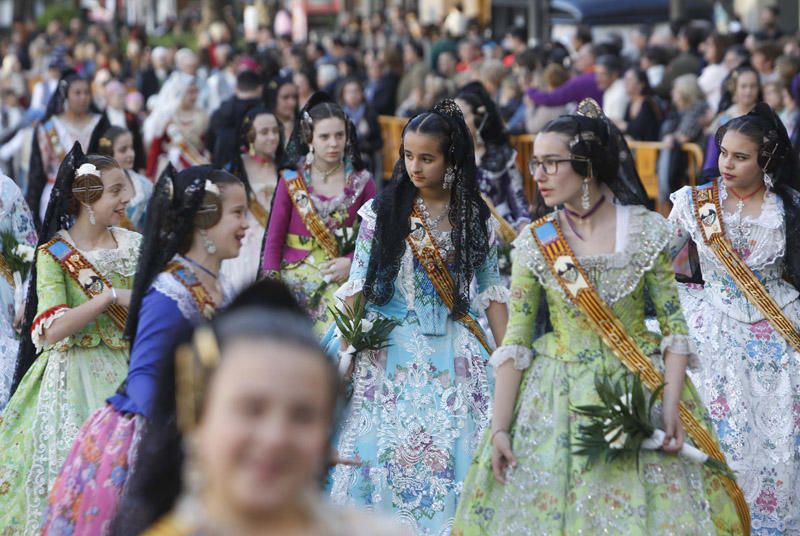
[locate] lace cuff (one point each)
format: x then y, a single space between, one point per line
521 355
44 321
495 293
681 345
351 288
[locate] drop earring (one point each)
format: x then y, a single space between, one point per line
90 211
449 178
586 201
768 181
208 244
310 156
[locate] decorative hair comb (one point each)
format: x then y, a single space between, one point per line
590 108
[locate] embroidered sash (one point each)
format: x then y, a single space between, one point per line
507 232
425 249
88 278
302 201
579 290
200 295
55 142
708 213
5 271
259 212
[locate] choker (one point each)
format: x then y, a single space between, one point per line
199 266
572 214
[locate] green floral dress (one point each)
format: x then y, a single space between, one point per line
67 382
551 490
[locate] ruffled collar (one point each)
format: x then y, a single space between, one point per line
771 216
641 236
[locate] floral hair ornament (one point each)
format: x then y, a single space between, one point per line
87 169
211 188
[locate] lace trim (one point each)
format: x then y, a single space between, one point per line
614 275
521 355
43 322
495 293
351 288
682 345
771 215
170 287
767 230
122 260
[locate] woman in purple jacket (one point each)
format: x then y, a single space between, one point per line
311 236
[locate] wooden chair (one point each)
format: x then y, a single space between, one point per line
646 153
392 132
523 144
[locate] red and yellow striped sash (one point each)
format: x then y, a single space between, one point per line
579 290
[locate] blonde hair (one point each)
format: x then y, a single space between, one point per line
687 87
494 71
555 75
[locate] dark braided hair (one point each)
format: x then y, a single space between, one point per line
173 215
246 136
468 212
321 106
603 152
777 158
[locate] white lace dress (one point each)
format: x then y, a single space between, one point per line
749 376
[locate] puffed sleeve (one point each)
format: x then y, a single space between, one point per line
663 290
51 293
275 238
523 305
358 269
490 286
367 194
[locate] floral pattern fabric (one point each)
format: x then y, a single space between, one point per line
552 490
68 381
419 406
15 218
97 467
750 376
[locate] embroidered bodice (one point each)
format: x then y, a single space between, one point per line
764 253
640 265
414 292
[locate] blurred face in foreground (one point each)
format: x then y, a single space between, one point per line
263 440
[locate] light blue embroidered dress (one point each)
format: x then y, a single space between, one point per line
420 406
15 218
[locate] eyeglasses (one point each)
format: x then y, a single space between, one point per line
550 165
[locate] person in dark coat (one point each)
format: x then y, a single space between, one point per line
222 136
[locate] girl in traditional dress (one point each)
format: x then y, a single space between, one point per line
314 206
254 420
198 219
70 117
605 247
498 176
117 143
175 128
750 361
261 157
15 219
420 406
76 312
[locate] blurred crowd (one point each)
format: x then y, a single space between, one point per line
675 84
